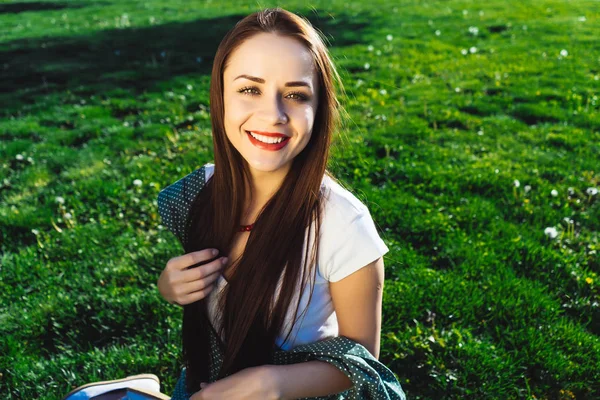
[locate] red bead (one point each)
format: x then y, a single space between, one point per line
246 228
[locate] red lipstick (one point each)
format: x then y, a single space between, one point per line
268 146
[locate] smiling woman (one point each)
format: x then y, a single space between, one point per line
300 249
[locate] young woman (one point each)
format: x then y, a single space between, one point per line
299 258
282 277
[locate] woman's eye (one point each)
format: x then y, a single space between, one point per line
254 91
299 96
244 90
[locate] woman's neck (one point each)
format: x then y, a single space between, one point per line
264 186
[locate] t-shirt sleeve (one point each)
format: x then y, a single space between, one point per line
175 200
353 246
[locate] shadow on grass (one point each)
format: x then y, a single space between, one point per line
17 8
127 59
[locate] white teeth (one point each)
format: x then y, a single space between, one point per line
266 139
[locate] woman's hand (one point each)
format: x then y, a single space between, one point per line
255 383
182 282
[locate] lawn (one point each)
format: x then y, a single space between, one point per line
472 134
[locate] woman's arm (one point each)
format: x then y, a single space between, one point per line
307 379
357 300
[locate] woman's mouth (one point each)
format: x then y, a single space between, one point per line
262 142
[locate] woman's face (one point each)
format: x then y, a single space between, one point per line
270 86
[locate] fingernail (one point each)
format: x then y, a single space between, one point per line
224 260
215 252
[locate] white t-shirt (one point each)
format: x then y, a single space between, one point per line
348 242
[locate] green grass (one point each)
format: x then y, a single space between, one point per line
478 303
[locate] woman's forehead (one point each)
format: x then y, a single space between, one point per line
271 57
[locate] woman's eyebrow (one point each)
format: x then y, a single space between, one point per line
260 80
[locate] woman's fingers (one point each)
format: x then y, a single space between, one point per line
190 260
195 296
190 277
194 274
199 284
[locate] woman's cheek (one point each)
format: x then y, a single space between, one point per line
240 108
307 116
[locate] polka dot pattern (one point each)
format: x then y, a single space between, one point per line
175 200
371 378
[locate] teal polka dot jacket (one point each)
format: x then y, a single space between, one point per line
371 379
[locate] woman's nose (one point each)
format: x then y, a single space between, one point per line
273 110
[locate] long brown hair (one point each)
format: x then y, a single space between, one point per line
252 313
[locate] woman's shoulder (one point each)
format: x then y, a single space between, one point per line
340 203
349 239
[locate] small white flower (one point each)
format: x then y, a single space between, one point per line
457 89
564 53
189 87
59 199
527 188
367 65
591 191
551 232
383 92
465 12
473 50
68 216
438 33
389 38
571 191
464 52
554 193
35 232
581 19
370 47
125 123
473 30
30 159
480 133
19 157
137 182
496 170
517 183
120 215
